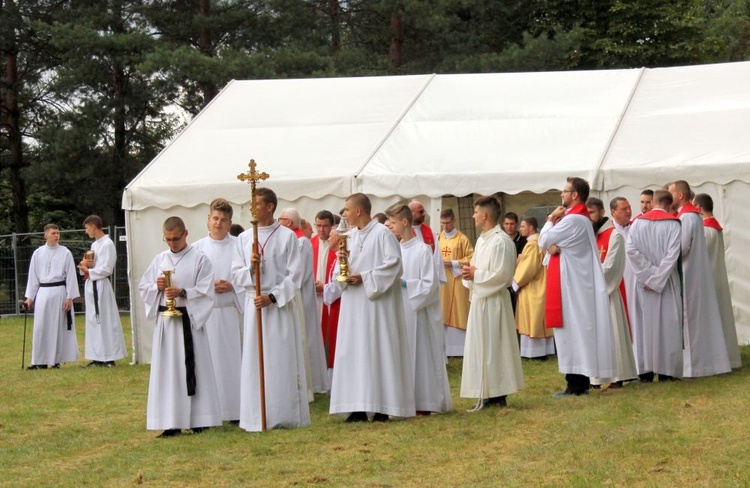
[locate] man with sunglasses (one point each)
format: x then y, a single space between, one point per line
182 391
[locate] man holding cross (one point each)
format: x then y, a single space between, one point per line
278 258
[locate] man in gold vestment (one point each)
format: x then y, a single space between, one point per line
456 251
529 281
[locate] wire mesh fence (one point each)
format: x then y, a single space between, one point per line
15 255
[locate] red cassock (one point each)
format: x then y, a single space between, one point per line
330 319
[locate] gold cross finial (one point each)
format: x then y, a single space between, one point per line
252 177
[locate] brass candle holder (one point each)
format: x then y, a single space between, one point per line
170 311
343 231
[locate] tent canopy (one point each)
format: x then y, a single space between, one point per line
458 134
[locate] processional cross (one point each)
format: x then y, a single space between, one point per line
252 177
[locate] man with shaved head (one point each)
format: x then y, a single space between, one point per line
705 349
372 373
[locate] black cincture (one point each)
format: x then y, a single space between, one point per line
187 336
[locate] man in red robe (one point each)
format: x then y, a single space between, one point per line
325 246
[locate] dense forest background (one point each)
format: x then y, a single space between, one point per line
89 88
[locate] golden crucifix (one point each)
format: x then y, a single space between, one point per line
252 177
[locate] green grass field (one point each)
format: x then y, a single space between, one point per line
86 427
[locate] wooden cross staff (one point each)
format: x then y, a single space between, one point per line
252 177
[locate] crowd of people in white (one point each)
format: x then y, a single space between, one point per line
616 299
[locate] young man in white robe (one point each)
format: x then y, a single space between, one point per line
611 247
224 323
420 288
50 290
492 363
315 356
576 302
372 372
714 233
278 263
655 305
105 342
705 348
182 386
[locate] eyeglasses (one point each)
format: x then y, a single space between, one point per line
284 218
173 239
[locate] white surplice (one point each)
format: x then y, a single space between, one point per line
630 288
492 362
373 371
169 406
52 342
223 326
425 329
613 267
437 258
318 372
653 248
104 338
584 343
705 348
283 355
715 246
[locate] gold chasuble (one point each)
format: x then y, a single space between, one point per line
454 295
531 276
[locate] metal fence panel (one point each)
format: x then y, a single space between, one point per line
15 255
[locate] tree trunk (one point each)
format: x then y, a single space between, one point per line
19 214
396 49
205 45
334 11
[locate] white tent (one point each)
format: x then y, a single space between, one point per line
435 135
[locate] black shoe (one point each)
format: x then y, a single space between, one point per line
198 430
37 366
596 387
234 422
168 433
56 366
380 417
108 364
646 377
498 401
357 417
93 363
665 377
481 403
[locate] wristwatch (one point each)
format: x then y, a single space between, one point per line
183 293
272 298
